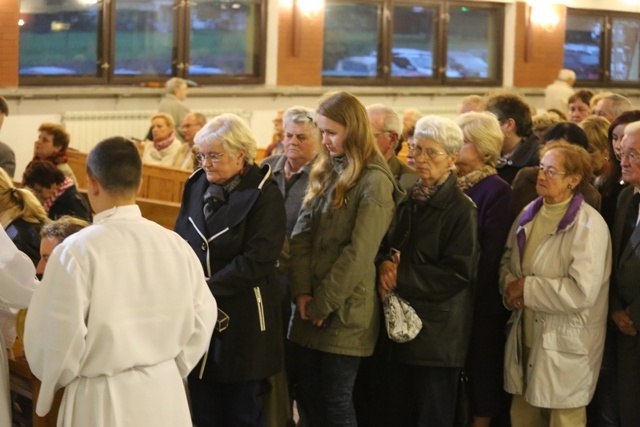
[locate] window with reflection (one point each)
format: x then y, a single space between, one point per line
351 32
625 50
603 47
473 43
223 37
414 38
420 42
131 41
582 46
59 39
143 37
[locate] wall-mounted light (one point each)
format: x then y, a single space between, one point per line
309 8
543 15
539 14
300 10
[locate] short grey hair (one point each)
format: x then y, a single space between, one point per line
483 130
173 84
619 103
199 118
232 133
444 131
302 115
391 119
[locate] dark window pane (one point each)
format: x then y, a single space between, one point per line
351 40
583 41
223 37
144 37
58 39
414 32
624 50
473 43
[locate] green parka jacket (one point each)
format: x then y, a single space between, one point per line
332 259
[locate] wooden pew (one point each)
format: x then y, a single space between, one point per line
23 383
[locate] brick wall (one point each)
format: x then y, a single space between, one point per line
539 54
299 49
9 32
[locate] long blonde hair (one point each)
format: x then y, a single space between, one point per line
359 144
18 203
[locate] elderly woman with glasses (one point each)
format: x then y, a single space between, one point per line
233 217
429 258
555 277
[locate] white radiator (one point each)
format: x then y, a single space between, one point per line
87 128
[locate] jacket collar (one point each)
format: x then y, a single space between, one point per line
239 203
534 207
118 212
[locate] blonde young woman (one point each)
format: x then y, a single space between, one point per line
21 216
346 212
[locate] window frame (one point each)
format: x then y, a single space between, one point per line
385 45
605 48
180 54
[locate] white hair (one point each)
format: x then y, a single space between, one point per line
391 119
442 130
230 131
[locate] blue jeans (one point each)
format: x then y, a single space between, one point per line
325 388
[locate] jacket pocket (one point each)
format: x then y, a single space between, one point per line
256 291
566 340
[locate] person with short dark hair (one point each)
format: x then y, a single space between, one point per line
579 105
7 156
58 194
520 145
123 310
52 145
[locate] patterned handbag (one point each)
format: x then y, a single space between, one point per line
403 324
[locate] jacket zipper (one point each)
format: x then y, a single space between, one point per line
256 291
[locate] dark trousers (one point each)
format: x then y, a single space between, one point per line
629 380
325 386
602 411
431 393
226 405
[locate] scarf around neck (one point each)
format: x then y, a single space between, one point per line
162 144
472 178
68 182
421 193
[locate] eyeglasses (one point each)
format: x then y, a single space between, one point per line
549 171
632 156
212 157
377 134
430 152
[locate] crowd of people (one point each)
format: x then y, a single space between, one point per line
511 234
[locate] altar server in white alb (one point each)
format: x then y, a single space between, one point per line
123 312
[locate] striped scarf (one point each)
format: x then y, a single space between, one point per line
68 182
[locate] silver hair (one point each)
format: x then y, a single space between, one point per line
391 119
302 115
173 84
619 103
232 133
444 131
